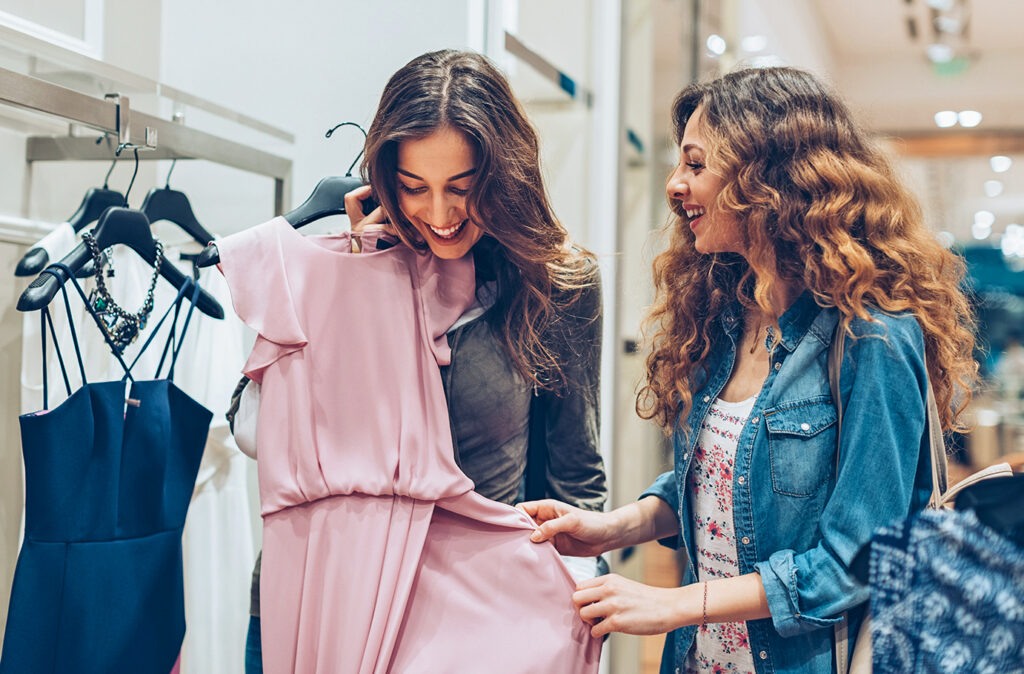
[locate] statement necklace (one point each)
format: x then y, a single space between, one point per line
121 326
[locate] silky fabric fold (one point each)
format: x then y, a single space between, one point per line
378 556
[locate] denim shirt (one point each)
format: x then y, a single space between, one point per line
796 524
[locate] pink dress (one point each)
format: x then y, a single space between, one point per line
378 556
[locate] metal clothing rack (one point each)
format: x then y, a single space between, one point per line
575 90
166 139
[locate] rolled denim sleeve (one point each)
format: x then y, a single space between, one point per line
665 488
882 384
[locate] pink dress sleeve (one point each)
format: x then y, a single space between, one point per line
447 289
253 263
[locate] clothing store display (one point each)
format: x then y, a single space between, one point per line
355 453
109 475
947 595
217 542
719 646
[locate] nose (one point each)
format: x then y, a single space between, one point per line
442 209
676 186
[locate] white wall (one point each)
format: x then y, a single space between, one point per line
302 66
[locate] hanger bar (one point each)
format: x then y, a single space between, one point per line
179 96
575 90
104 76
59 148
179 141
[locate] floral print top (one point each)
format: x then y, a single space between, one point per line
719 647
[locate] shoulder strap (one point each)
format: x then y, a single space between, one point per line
937 448
933 427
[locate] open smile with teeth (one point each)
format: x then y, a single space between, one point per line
448 232
694 213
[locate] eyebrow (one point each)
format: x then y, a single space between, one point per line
691 146
464 174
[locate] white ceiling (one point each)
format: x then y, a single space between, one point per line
889 80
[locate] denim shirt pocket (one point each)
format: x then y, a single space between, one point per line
802 444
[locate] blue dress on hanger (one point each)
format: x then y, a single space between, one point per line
108 480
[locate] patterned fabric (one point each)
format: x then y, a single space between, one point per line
947 595
720 647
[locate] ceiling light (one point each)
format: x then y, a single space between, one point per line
980 231
1012 242
969 118
754 43
1000 164
941 5
716 44
948 24
985 217
993 188
945 119
940 53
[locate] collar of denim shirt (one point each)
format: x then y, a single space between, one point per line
793 323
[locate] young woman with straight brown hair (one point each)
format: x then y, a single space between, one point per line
455 164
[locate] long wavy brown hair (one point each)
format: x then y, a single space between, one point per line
524 247
819 207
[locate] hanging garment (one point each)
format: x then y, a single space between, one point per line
109 475
377 555
217 543
947 595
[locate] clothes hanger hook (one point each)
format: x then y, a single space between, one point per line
106 178
167 183
135 151
365 137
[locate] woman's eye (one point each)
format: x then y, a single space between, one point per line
457 192
411 190
695 165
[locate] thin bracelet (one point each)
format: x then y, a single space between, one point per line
704 620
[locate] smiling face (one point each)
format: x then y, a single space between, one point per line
434 175
695 188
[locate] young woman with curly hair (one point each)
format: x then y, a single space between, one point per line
788 222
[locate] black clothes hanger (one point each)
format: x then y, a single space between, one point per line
327 198
95 201
117 225
163 203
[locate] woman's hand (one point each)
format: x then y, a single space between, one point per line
612 603
573 531
354 208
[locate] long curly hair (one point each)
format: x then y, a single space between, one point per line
819 207
524 248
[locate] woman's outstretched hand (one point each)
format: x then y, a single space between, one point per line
612 603
573 531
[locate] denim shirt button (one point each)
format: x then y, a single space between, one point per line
805 426
707 398
756 419
685 454
741 479
746 540
778 366
763 655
